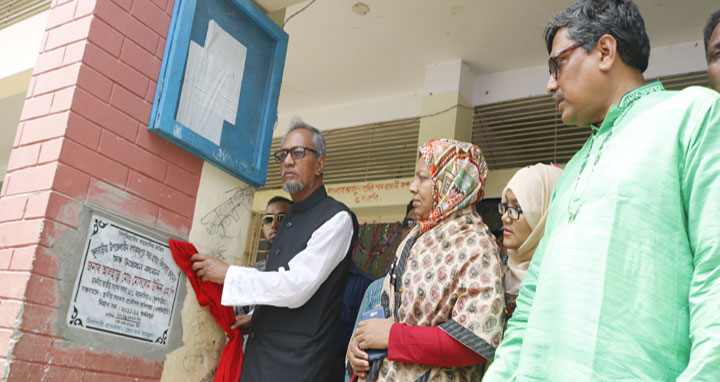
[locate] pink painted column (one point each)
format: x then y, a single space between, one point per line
83 141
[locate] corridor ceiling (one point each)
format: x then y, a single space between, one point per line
337 56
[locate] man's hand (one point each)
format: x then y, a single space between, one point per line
209 268
242 322
374 333
358 359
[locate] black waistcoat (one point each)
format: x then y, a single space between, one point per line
300 344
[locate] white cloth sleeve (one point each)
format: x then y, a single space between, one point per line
292 288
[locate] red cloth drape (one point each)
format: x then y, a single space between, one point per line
209 294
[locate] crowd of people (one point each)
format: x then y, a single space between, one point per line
612 266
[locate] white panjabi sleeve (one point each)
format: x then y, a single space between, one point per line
293 287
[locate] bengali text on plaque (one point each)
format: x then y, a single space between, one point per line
126 285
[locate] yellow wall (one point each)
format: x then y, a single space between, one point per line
455 123
12 98
15 84
497 180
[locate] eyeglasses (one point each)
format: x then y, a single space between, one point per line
297 152
553 61
269 218
513 212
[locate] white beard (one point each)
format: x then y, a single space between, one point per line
292 188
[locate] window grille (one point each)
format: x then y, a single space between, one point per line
363 153
14 11
526 131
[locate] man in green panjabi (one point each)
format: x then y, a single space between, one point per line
625 285
711 33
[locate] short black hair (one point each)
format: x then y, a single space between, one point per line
712 23
588 20
276 199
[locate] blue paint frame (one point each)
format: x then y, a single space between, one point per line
244 156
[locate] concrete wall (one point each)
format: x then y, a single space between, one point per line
82 142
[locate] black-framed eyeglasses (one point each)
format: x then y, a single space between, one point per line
553 61
513 212
268 219
297 152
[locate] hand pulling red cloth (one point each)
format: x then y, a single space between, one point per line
209 294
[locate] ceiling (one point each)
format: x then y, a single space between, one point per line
337 56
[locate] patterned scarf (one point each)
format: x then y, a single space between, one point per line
447 272
458 170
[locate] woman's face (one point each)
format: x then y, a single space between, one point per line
422 189
515 232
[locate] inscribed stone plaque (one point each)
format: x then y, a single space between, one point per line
126 285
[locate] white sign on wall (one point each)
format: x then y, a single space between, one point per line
213 80
126 285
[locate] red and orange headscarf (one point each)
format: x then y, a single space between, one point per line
458 170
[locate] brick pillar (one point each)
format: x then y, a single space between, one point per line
82 140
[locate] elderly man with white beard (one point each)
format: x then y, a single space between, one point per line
294 333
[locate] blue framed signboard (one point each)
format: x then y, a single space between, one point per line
219 84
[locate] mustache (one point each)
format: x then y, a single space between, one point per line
557 96
287 171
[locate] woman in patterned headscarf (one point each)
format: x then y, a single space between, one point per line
444 294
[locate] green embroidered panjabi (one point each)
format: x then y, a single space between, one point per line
625 285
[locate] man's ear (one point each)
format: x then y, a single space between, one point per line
607 46
320 165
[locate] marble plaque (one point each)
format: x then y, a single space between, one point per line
126 285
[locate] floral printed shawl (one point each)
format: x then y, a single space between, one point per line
447 272
452 279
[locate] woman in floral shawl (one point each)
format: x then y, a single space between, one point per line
444 294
